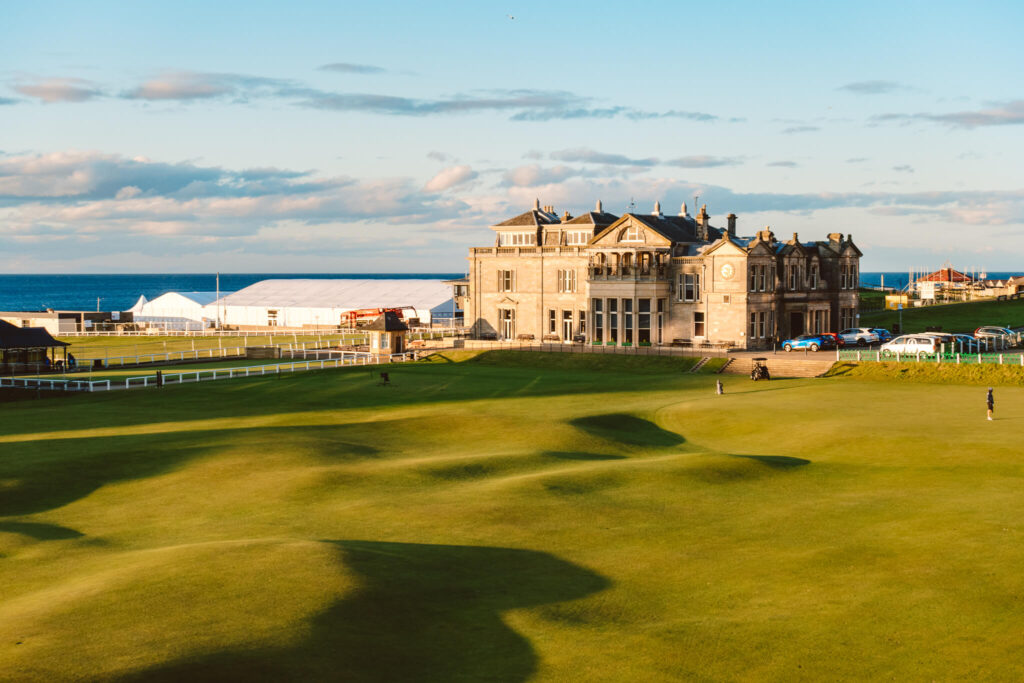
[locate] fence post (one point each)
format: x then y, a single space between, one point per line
1000 359
958 359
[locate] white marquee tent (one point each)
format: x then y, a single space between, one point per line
314 302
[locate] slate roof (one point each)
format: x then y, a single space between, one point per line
14 337
389 322
532 218
598 219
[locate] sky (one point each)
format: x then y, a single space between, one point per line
388 136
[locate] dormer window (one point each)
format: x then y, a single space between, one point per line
631 234
576 237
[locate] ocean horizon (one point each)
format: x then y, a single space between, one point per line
118 292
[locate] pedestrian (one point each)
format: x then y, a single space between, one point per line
991 401
719 390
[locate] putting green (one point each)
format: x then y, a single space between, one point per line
494 517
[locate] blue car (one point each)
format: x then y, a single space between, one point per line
811 342
884 335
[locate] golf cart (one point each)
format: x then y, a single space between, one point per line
759 369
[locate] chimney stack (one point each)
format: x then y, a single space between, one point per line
536 204
732 224
702 224
599 209
683 212
657 208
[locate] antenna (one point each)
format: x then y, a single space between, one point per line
695 198
632 205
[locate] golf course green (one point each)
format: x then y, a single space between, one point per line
514 516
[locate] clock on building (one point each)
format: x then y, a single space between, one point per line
728 271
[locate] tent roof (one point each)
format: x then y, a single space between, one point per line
343 294
201 298
14 337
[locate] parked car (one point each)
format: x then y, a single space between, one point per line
883 334
861 336
839 341
996 337
909 343
811 342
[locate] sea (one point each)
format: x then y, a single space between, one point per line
120 292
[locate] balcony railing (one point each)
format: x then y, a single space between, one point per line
645 273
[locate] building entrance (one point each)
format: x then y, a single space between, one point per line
796 323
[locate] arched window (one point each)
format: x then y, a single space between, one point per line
631 234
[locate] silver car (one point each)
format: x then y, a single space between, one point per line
859 336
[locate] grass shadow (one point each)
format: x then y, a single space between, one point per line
423 613
579 455
40 531
628 430
780 462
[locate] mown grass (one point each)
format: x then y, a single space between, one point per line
102 347
485 519
957 317
932 373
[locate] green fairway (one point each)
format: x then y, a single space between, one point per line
960 317
514 516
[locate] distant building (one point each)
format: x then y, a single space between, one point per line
656 279
58 322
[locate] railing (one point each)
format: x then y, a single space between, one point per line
628 273
638 350
867 355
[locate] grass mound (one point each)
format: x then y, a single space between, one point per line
932 373
543 360
957 317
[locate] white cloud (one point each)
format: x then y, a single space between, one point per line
449 178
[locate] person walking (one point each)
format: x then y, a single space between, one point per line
718 388
991 401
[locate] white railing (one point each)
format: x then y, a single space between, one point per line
347 358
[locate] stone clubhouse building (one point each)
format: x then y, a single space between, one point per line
653 279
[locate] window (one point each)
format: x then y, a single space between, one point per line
271 318
698 323
516 239
627 320
644 321
577 237
814 276
847 317
661 318
598 320
567 281
566 324
761 320
752 270
794 278
506 281
507 322
842 276
552 321
582 323
763 283
854 280
753 325
631 234
613 320
688 287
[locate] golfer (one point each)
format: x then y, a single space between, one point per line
991 401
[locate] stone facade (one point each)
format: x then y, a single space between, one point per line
656 279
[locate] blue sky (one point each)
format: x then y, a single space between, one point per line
371 137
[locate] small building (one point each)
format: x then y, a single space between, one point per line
30 349
61 322
387 334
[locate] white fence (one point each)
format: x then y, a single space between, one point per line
344 359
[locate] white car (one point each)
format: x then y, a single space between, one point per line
909 343
858 336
